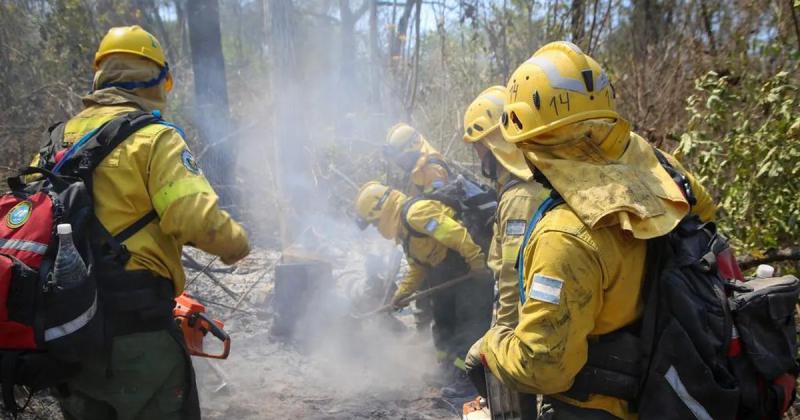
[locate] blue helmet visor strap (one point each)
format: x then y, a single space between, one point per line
139 85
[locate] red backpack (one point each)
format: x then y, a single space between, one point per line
46 330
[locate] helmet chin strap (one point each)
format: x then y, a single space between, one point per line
489 166
139 85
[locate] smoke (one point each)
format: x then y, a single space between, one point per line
317 113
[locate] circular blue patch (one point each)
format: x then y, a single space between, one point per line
19 214
190 163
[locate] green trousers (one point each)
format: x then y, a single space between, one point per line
147 380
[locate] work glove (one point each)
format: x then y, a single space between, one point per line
481 272
396 302
476 372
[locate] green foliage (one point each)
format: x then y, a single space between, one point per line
743 140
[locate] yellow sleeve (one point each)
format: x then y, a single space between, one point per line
549 346
705 207
413 279
431 218
187 204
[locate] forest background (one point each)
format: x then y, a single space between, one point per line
283 100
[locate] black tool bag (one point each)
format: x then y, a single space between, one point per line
763 310
709 346
475 206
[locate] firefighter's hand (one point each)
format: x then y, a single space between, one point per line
397 302
473 359
476 372
481 272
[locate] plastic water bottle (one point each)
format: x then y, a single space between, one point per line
765 271
69 269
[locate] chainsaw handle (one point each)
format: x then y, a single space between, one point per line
213 328
218 332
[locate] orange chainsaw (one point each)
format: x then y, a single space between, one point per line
190 316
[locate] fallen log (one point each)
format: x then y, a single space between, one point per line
772 255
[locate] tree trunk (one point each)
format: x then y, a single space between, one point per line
577 21
347 70
211 113
374 54
292 160
401 34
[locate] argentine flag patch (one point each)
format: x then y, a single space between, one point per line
431 226
546 289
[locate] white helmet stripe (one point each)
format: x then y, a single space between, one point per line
497 101
556 80
601 82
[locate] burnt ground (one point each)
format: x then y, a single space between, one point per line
337 367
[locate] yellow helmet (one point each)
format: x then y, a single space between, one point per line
403 138
130 40
483 114
134 40
369 202
481 121
404 145
557 86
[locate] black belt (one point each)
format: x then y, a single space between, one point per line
137 301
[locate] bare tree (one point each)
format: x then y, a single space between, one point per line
212 115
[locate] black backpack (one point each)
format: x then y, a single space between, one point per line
47 330
475 206
708 346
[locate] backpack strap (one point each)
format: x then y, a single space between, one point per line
404 216
433 160
677 176
548 204
52 142
411 231
511 183
85 155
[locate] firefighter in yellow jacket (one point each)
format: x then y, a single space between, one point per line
424 168
148 375
583 267
518 194
438 248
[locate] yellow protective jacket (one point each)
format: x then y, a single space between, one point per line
518 201
154 169
436 233
428 174
595 276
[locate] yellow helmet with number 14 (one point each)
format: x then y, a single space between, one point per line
559 85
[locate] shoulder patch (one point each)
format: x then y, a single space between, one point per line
431 225
188 161
516 227
546 289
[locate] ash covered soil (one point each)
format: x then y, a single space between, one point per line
344 368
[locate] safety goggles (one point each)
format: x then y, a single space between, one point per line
362 222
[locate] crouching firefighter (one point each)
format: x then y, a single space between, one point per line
124 182
438 248
631 304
